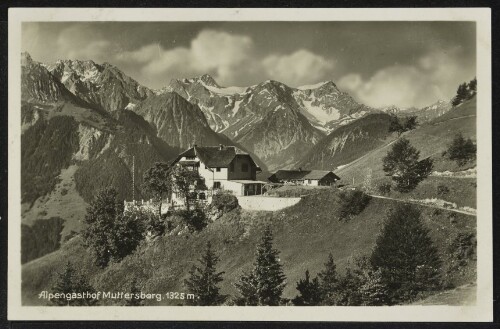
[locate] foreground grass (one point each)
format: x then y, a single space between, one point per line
304 234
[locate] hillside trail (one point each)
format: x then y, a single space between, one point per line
423 204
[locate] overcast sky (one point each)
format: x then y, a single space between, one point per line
379 63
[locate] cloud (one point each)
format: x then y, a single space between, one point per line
229 58
77 42
221 54
432 77
300 67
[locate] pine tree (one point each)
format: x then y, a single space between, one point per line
406 256
247 286
401 162
136 299
267 275
68 281
472 87
372 289
310 292
462 94
204 279
461 150
328 282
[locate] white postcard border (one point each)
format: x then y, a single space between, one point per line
482 311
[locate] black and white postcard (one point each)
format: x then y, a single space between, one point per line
250 164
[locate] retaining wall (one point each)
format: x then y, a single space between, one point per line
267 203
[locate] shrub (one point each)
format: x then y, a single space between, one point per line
384 188
195 219
442 190
352 203
402 164
462 248
64 191
110 234
224 201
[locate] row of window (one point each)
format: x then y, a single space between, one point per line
244 166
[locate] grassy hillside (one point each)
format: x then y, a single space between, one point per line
304 234
431 139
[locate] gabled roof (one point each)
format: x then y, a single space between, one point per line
214 156
284 175
319 174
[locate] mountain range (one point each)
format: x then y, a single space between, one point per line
315 126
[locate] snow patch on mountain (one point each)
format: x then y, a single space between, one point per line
226 90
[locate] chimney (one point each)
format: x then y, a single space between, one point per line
300 169
221 147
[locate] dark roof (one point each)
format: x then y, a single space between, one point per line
213 156
284 175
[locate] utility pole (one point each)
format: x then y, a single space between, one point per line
133 177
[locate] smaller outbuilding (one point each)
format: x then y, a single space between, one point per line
304 177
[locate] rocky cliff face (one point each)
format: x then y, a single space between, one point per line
103 86
258 117
177 121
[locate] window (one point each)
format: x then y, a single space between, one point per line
190 158
244 167
218 169
309 181
201 196
216 185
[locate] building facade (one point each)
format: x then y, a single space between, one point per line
222 168
304 177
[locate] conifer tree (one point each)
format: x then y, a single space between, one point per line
267 275
204 280
68 281
461 150
247 286
406 256
372 289
310 292
136 299
328 282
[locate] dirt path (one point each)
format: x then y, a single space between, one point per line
423 204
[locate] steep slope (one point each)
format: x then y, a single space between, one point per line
431 139
348 142
103 86
177 121
69 149
424 114
304 234
260 118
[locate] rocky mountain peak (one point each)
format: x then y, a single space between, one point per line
208 80
26 59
